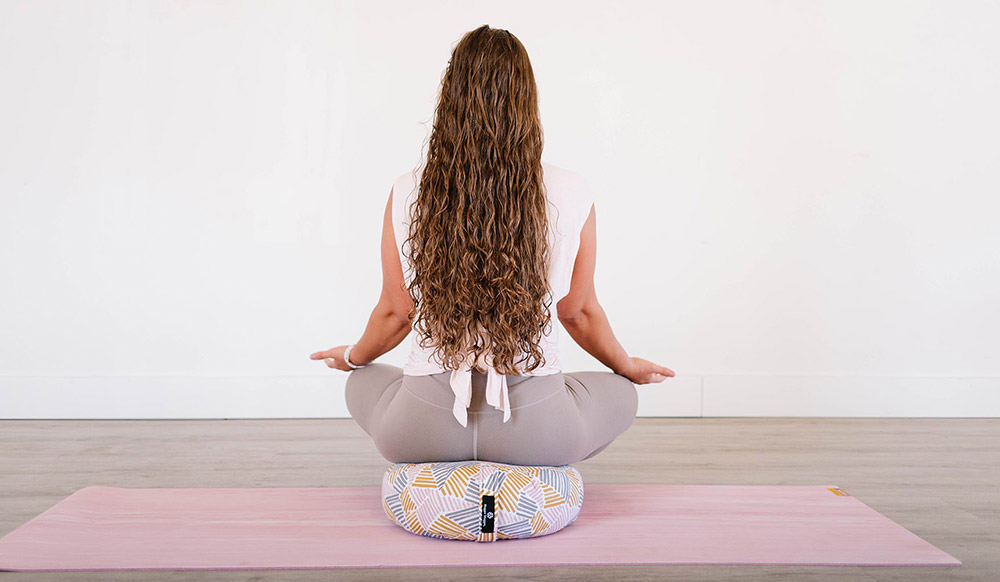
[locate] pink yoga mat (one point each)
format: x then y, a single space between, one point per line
112 528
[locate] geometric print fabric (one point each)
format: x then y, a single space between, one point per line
481 501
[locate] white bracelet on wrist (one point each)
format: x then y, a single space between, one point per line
347 354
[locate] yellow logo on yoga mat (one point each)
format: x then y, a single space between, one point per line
839 491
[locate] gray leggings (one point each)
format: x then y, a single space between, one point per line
555 420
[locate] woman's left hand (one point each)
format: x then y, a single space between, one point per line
334 358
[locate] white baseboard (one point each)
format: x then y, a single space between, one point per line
821 396
186 397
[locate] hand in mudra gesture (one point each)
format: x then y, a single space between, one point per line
333 357
645 372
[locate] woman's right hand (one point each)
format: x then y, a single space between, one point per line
646 372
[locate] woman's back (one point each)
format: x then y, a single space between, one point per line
570 199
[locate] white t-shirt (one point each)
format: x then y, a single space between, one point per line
572 197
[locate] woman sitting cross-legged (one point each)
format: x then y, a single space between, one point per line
481 247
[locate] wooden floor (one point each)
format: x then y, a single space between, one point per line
939 478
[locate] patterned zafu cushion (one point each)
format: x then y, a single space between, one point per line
480 500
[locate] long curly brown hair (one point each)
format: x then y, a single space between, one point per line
478 243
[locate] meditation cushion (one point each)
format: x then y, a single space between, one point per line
480 500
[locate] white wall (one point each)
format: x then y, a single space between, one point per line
796 201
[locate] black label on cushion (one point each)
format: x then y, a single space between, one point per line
486 517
